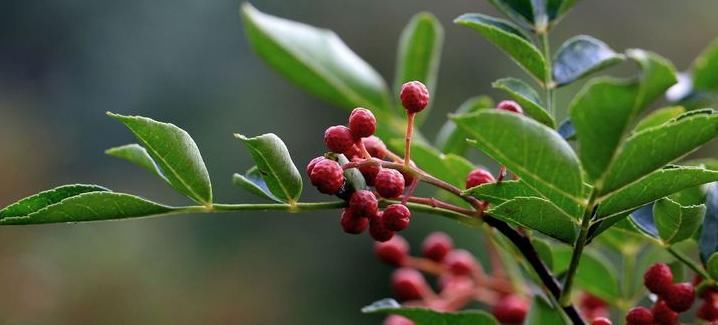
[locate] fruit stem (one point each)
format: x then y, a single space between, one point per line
688 262
578 249
407 139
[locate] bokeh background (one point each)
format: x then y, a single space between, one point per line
64 63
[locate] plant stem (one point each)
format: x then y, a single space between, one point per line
296 207
407 139
578 249
688 262
548 83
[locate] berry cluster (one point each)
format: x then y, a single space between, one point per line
460 279
673 298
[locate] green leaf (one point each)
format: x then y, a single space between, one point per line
509 38
558 8
532 151
659 117
41 200
538 214
91 206
316 60
712 266
705 67
676 223
656 185
527 98
253 182
580 56
419 52
651 149
543 313
520 11
176 154
137 155
497 193
452 139
275 165
657 75
426 316
525 12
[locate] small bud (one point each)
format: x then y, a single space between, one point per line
363 203
511 309
510 106
662 314
310 165
397 320
378 230
414 96
478 177
680 296
397 217
352 224
460 262
327 176
408 284
338 139
436 246
375 147
362 123
601 321
639 316
392 252
389 183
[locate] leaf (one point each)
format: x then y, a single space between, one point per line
651 149
705 67
643 220
316 60
253 182
453 140
674 222
538 214
708 240
91 206
41 200
532 151
542 313
176 154
520 11
137 155
659 117
712 266
497 193
527 98
657 75
509 38
275 165
656 185
419 52
426 316
580 56
525 12
567 130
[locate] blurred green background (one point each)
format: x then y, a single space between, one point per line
64 63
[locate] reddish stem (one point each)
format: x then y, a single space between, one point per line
407 138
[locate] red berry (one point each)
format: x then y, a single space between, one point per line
327 176
639 316
414 96
397 320
392 252
658 278
369 172
436 246
354 153
663 315
362 123
479 176
510 106
389 183
460 262
680 296
378 230
601 321
352 224
364 203
397 217
708 311
589 301
408 284
310 165
375 147
511 309
338 139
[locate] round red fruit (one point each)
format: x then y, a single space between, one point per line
408 284
397 217
352 224
363 203
478 177
658 278
510 106
663 315
327 176
414 96
397 320
369 172
436 246
310 165
460 262
362 123
601 321
639 316
378 230
392 252
389 183
338 139
708 311
680 296
511 309
375 147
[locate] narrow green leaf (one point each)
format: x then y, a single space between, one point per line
510 39
520 11
705 67
316 60
419 52
91 206
656 185
534 152
538 214
558 8
674 222
527 97
659 117
580 56
426 316
253 182
452 139
137 155
651 149
543 313
41 200
176 154
275 165
497 193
